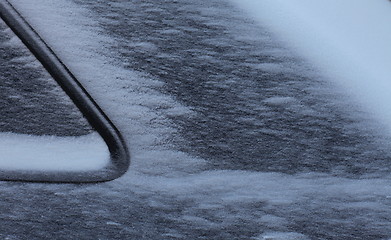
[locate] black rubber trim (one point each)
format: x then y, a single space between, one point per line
120 158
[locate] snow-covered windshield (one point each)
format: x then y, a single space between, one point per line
236 130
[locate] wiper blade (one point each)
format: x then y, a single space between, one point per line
119 156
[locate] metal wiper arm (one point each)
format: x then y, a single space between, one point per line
92 112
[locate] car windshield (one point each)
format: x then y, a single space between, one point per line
244 119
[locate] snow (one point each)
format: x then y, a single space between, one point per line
277 100
348 40
51 153
282 236
164 178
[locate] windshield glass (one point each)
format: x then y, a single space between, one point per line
233 132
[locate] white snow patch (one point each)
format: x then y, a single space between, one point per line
144 46
279 100
113 223
282 236
51 153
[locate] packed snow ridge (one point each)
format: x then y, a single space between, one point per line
51 153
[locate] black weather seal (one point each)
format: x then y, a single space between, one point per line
92 112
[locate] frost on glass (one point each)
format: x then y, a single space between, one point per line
40 128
